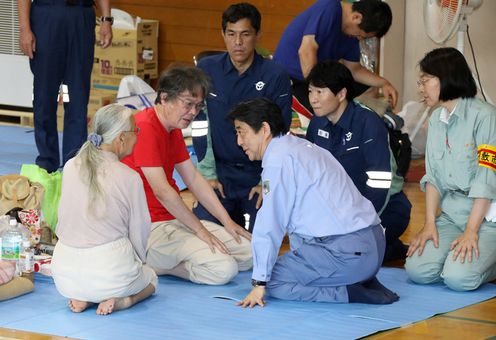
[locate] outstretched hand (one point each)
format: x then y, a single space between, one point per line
254 298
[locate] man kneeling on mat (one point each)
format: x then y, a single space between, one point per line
337 242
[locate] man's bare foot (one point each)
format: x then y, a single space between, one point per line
78 306
113 304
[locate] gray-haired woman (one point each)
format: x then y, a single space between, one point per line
103 221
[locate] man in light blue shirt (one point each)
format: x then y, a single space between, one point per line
337 242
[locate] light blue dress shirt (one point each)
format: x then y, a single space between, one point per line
308 194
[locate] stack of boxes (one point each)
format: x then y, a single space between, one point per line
133 52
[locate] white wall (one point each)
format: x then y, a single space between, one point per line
482 27
392 58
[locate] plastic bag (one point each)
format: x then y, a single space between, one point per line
53 184
135 93
416 116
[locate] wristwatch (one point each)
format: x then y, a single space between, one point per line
256 283
109 19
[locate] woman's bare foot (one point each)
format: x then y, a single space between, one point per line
113 304
78 306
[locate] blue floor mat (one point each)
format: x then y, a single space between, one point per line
183 310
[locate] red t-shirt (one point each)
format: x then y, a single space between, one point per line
155 147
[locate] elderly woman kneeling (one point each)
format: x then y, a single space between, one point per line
103 222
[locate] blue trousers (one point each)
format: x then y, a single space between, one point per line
396 216
65 40
319 269
237 181
236 207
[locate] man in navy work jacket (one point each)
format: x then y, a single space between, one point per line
358 139
237 75
337 242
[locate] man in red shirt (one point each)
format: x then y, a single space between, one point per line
180 244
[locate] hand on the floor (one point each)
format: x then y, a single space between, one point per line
465 245
257 189
428 232
236 231
212 241
254 298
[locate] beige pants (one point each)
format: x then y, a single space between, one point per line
111 270
172 243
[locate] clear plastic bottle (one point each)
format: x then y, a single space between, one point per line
26 257
11 244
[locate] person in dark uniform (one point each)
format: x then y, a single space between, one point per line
358 138
331 29
58 36
236 75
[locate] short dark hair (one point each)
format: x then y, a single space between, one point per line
455 76
242 10
376 16
256 111
179 78
333 75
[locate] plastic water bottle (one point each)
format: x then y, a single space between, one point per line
11 244
26 257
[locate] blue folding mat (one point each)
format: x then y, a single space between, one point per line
184 310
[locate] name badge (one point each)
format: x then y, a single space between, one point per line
323 134
266 187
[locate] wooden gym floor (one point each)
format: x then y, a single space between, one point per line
473 322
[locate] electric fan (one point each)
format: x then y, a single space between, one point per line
442 18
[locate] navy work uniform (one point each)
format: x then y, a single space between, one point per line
227 162
65 39
359 141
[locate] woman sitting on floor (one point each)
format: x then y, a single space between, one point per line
457 246
103 221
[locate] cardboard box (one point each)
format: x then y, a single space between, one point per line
104 83
99 98
133 52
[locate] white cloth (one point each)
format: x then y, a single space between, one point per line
491 213
125 215
96 274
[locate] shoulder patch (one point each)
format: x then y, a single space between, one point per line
487 156
266 187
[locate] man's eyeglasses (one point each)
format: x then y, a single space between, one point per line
136 130
188 105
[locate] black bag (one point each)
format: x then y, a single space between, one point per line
402 150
